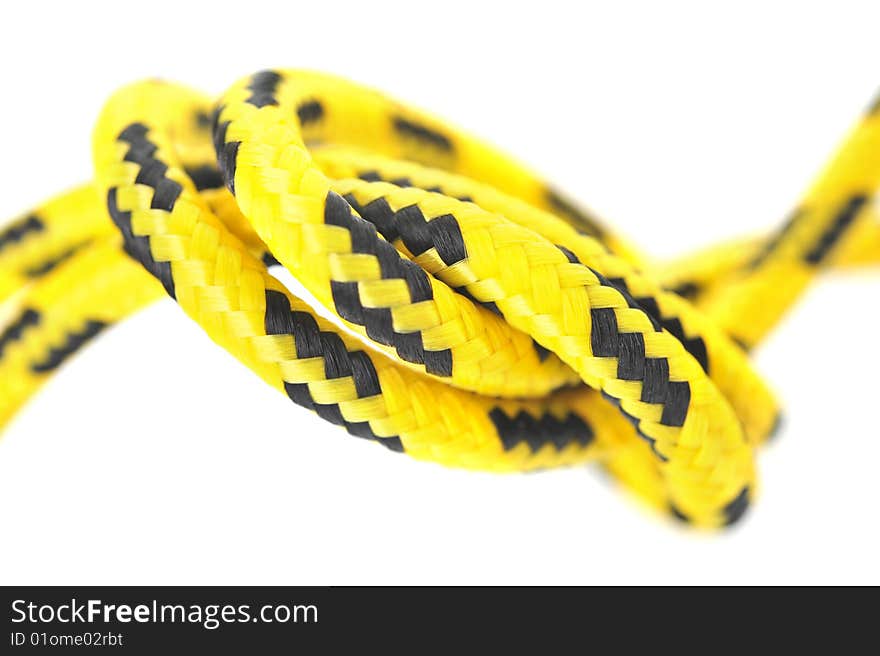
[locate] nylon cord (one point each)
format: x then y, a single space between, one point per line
482 319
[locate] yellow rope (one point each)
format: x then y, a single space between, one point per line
483 320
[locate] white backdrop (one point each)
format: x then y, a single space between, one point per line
155 458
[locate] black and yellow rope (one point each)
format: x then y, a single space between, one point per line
483 320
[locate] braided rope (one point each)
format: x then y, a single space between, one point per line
481 319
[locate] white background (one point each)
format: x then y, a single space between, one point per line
155 458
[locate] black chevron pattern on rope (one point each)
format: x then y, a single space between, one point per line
732 512
584 222
339 362
416 232
419 234
607 341
20 229
693 345
226 152
378 321
537 432
15 329
206 176
770 245
410 129
737 508
46 266
842 220
309 112
688 289
263 86
73 342
166 191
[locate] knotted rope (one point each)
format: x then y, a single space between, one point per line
482 320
